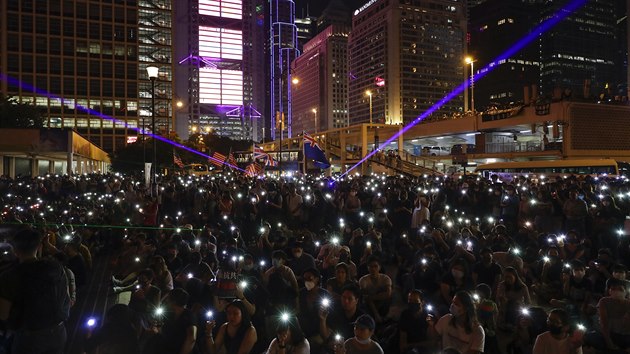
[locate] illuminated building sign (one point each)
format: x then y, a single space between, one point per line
221 8
379 81
362 8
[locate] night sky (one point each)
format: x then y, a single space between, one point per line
315 7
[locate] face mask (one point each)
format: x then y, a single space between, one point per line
309 285
455 310
618 294
297 254
555 329
457 274
276 262
414 307
363 341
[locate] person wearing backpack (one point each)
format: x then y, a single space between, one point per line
34 299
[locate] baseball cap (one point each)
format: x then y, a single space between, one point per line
365 321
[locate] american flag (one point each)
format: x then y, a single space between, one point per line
178 160
253 169
231 160
218 159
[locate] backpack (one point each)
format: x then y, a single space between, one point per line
43 299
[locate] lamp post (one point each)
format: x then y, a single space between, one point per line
471 61
153 71
369 93
316 125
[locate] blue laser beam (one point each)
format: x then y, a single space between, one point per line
90 111
560 15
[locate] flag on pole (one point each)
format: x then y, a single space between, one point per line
314 152
218 159
177 160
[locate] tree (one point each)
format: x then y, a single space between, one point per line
19 115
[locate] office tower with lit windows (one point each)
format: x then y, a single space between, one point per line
91 54
494 26
409 55
306 27
283 49
320 98
210 53
578 54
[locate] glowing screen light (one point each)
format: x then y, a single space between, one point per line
220 43
221 8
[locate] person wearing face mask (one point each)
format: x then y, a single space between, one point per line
557 339
614 319
413 326
283 283
301 260
459 329
457 279
362 342
312 298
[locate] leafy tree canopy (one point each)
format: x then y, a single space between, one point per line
19 115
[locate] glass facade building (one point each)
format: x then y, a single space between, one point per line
409 55
87 61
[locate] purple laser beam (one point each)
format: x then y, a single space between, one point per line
537 31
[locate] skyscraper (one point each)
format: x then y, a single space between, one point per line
408 55
579 53
494 26
320 99
210 50
93 55
283 48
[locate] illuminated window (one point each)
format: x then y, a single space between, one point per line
220 43
221 86
221 8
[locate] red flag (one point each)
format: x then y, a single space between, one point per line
231 160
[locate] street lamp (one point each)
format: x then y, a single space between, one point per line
369 93
315 113
153 71
471 61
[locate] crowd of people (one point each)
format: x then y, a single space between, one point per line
305 264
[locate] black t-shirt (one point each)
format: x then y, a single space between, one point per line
487 275
174 332
414 326
338 323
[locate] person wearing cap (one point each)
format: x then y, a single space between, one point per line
362 341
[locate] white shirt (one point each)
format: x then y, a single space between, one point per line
546 344
457 338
